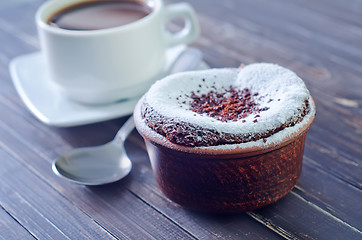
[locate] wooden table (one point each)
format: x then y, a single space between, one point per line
320 40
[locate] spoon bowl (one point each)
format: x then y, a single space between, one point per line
97 165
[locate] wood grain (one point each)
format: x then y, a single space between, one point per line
10 227
320 40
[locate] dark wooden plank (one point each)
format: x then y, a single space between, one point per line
6 85
343 164
307 20
330 193
10 228
18 18
333 112
347 11
17 30
36 206
297 218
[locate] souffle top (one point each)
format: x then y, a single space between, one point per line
250 105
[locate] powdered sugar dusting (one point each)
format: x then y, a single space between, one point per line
271 141
279 89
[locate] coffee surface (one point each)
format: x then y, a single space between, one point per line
95 15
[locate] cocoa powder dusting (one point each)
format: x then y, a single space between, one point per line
231 105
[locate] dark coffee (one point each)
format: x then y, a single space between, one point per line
94 15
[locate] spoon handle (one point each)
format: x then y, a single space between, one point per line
125 130
187 60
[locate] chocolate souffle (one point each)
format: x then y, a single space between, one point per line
254 118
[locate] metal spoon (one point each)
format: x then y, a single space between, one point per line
109 162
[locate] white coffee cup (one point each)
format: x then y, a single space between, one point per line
106 65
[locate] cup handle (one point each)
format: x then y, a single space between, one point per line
191 30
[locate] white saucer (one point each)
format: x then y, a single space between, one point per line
49 106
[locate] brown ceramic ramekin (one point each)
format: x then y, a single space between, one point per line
225 180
